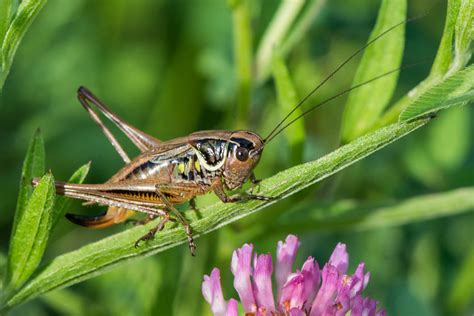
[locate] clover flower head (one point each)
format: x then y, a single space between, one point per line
311 291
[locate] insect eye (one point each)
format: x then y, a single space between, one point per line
242 153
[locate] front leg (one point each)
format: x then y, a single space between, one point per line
254 181
219 190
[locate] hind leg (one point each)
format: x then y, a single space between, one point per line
112 216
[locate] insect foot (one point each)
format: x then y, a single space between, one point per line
152 232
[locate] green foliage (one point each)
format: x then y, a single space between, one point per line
31 234
174 68
448 61
62 203
287 99
12 33
365 105
353 216
455 90
119 249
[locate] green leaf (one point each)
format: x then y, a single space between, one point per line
287 100
301 26
365 105
455 90
461 292
464 33
31 234
33 166
26 13
5 15
460 14
96 258
274 35
243 57
444 55
188 282
352 216
62 203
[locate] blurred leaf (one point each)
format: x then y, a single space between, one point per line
352 216
62 203
33 166
188 297
457 89
449 140
461 293
5 15
274 34
65 302
364 105
287 100
3 266
424 274
27 11
302 24
444 55
29 239
243 58
98 257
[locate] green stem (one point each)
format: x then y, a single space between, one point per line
243 58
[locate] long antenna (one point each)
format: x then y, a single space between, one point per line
268 139
337 70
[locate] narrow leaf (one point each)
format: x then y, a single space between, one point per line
365 105
353 216
440 69
96 258
62 203
461 292
287 99
455 90
33 166
274 35
444 56
27 11
241 18
464 32
31 235
5 15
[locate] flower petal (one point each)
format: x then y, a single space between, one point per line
262 277
292 292
327 292
242 270
296 312
232 308
312 275
286 253
340 258
212 292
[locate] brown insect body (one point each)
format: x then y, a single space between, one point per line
166 173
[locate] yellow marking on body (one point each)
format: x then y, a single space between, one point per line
181 168
197 166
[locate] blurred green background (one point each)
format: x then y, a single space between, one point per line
168 68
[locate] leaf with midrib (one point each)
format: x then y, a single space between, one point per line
30 237
365 105
96 258
455 90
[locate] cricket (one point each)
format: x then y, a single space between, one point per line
172 172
